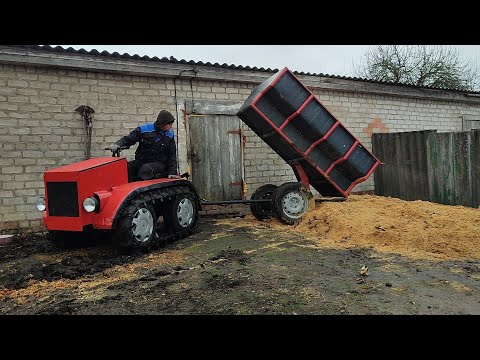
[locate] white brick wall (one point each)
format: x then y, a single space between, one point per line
39 128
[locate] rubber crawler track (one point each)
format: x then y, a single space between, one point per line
159 199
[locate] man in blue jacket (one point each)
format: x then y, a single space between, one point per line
156 155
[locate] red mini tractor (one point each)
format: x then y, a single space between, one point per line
94 196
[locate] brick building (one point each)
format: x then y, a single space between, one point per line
41 87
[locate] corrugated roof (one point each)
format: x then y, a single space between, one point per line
173 60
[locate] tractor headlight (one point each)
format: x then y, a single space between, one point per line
90 204
40 204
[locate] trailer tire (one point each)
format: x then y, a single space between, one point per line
181 214
263 211
291 202
137 228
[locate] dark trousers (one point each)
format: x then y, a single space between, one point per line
140 170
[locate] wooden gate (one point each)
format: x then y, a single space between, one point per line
215 156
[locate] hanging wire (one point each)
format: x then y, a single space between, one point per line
176 113
191 86
194 70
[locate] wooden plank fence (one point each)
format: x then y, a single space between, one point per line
426 165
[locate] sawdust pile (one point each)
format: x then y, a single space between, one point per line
419 229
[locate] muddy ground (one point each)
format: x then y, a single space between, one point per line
233 266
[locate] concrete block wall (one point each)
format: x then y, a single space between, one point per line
39 128
262 164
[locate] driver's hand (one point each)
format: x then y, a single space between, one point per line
114 148
174 177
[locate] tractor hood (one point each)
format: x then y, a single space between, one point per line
66 187
84 165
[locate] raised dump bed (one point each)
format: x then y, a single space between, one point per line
294 123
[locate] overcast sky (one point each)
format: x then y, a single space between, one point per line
327 59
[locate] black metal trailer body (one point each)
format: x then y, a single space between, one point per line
294 123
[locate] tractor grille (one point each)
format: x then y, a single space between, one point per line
62 199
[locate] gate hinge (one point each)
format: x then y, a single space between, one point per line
238 132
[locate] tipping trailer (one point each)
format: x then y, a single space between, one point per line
323 154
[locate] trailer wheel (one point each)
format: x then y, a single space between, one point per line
137 228
264 210
290 202
181 214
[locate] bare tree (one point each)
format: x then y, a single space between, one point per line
422 65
